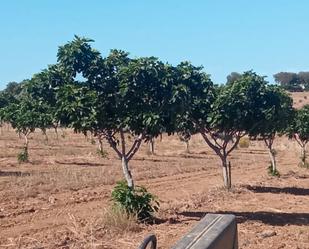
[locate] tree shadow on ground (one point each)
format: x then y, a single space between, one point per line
270 218
277 190
83 164
151 159
13 173
295 175
191 155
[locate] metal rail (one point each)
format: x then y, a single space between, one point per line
214 231
149 240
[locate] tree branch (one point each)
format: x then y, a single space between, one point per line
234 145
298 140
112 143
123 142
134 148
214 139
211 145
140 137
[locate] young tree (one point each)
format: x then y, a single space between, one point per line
278 110
119 96
42 88
299 130
25 116
231 113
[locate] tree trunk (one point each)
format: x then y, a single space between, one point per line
230 175
272 159
151 146
127 172
56 131
46 137
26 142
63 133
226 172
187 147
269 144
100 145
303 155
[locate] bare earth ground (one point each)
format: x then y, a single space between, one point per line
300 99
59 198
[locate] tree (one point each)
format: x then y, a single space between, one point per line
5 100
288 81
278 111
193 97
119 96
14 88
304 79
225 114
232 77
299 130
25 116
43 87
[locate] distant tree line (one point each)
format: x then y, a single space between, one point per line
293 82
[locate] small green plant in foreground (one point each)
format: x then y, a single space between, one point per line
272 172
135 201
23 156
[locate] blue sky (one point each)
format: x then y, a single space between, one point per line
267 36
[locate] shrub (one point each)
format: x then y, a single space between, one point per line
135 201
305 97
272 172
23 156
102 153
244 142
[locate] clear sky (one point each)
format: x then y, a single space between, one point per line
267 36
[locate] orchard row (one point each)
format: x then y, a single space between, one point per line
116 95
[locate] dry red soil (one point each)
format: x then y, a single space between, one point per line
300 99
59 198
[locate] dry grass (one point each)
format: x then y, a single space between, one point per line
56 179
117 220
90 233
